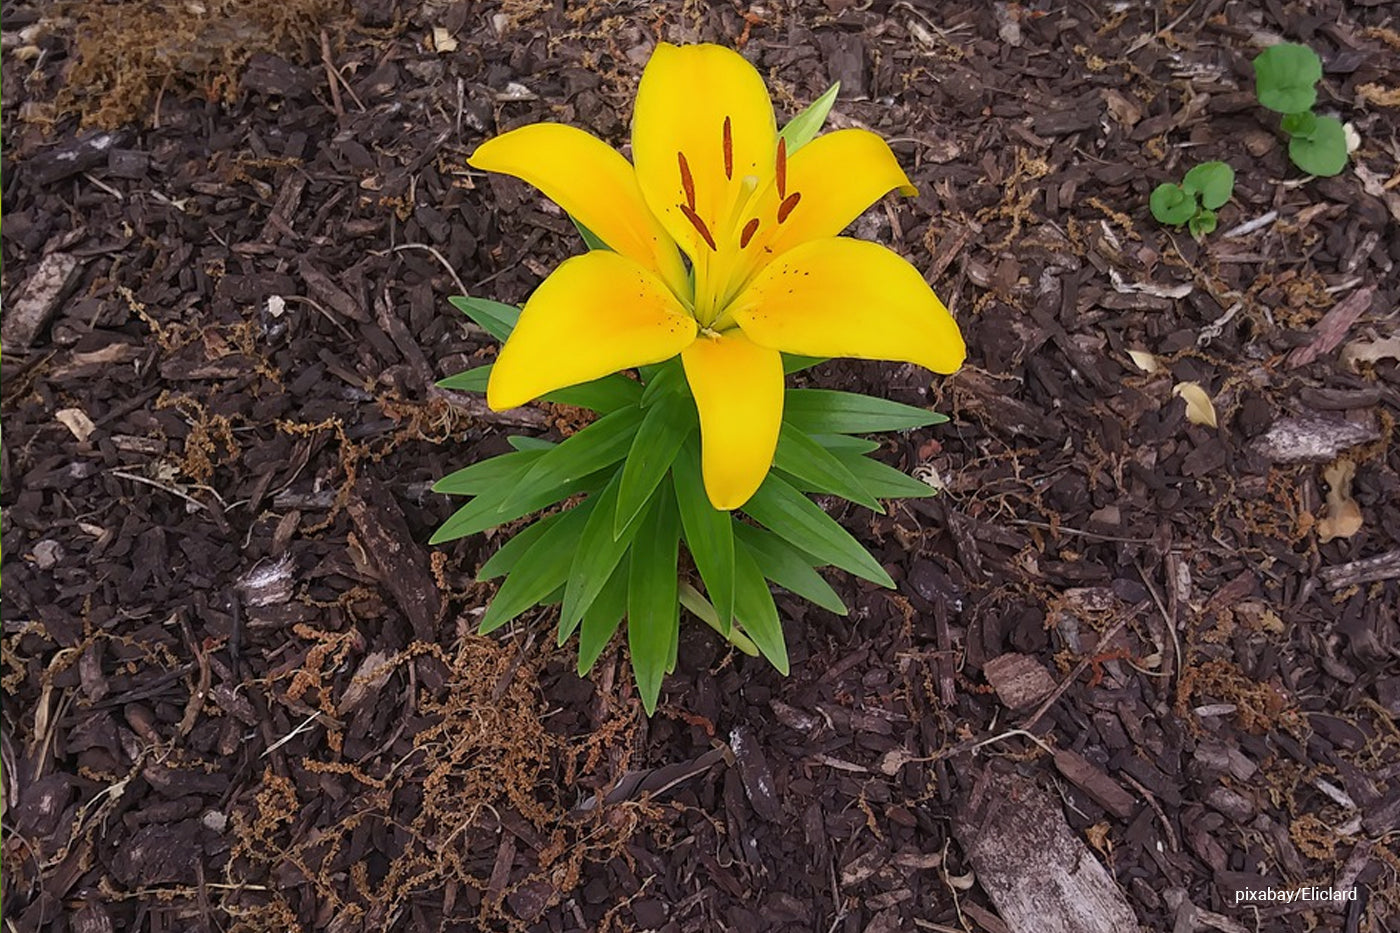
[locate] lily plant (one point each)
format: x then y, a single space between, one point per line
715 268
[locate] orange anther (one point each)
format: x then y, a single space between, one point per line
687 182
782 168
750 229
699 225
728 151
788 204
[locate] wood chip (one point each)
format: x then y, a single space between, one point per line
864 867
372 674
400 562
326 291
1019 680
1329 332
1105 791
756 775
1312 439
1037 872
1381 567
76 421
39 297
72 156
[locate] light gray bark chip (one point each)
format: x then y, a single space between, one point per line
1037 872
38 299
1312 438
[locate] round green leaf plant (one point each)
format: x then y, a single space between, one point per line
1202 191
1318 145
1285 79
1286 76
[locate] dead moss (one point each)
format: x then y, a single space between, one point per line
1259 707
484 752
127 55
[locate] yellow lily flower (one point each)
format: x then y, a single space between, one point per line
764 270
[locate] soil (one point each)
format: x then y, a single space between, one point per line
243 694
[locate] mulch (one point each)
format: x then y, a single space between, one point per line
243 694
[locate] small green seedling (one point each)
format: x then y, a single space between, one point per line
1285 78
1194 202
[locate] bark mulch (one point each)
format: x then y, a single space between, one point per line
1127 665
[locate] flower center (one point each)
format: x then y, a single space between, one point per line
734 238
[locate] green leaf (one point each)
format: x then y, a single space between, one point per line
756 611
1202 223
804 127
602 618
792 363
1324 152
495 318
1299 124
663 378
1171 204
483 512
599 552
521 442
1286 76
604 395
653 611
844 443
1213 181
709 534
510 554
486 475
601 444
700 607
533 580
787 566
818 470
470 380
825 411
666 425
590 239
791 515
884 481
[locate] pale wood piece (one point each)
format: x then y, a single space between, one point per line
1372 569
1037 872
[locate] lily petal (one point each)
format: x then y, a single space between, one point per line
839 175
595 314
685 99
844 297
738 389
592 182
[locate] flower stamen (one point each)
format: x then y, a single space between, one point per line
750 229
699 225
782 169
728 151
789 202
687 182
